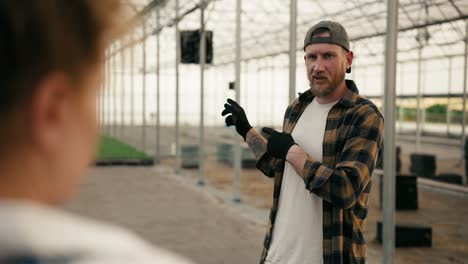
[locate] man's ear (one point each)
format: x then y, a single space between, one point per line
349 59
49 108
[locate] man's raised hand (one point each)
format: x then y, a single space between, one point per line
236 117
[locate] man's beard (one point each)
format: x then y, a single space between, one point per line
328 90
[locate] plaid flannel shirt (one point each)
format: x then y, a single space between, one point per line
351 145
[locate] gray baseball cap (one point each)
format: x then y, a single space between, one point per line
337 36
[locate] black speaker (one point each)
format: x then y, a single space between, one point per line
409 235
423 165
449 178
406 192
232 85
190 46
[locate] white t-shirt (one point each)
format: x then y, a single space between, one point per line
297 235
45 233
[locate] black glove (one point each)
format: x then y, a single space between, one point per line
236 118
278 143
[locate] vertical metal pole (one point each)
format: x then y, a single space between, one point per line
418 102
465 72
114 94
401 112
157 155
201 145
143 128
389 139
132 87
101 90
110 94
177 133
104 93
122 98
449 89
237 149
423 98
292 49
108 86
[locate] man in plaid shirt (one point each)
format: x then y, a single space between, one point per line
322 161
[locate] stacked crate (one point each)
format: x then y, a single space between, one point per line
189 156
226 154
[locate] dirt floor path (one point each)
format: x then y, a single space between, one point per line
169 214
202 224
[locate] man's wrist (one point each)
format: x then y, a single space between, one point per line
293 152
249 134
245 131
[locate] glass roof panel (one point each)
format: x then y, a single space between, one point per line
265 25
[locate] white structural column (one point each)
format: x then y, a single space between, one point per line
143 127
449 91
292 49
157 154
202 51
418 100
132 82
237 69
401 108
389 139
177 132
109 91
114 93
122 98
465 72
105 92
423 98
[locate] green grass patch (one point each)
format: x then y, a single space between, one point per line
113 149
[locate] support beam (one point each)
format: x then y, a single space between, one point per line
401 109
105 94
143 126
110 83
389 139
157 154
114 96
465 73
132 86
292 49
418 102
122 98
449 91
177 61
202 51
237 69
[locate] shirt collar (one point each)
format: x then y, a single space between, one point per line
349 98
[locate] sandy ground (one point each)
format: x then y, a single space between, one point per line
200 223
171 211
169 214
446 214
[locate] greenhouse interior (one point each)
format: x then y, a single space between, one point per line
162 100
171 170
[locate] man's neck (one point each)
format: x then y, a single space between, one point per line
335 96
